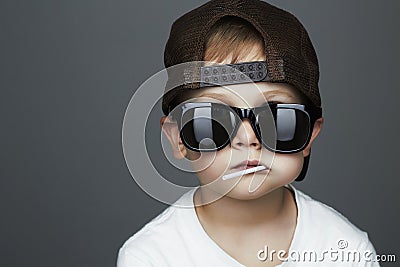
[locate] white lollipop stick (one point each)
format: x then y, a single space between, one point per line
240 173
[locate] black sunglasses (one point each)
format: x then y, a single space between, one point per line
282 128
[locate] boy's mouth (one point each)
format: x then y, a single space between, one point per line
246 167
247 164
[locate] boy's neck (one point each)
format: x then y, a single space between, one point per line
228 211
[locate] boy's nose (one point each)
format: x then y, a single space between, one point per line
245 137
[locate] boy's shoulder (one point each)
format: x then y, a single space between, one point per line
322 214
163 233
321 223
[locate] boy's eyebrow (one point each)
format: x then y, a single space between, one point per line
271 94
217 96
267 95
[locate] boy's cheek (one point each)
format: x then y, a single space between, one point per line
200 160
287 167
209 166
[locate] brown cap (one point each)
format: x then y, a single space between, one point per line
290 55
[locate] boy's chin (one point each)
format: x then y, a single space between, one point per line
246 189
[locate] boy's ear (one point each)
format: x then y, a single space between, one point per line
316 130
171 131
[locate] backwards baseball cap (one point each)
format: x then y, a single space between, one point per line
290 55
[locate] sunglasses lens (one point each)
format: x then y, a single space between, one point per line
207 128
266 128
292 128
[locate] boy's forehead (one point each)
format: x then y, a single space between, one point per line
254 53
252 94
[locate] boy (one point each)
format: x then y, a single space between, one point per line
245 213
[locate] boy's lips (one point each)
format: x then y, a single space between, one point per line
247 164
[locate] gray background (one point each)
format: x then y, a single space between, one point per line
68 70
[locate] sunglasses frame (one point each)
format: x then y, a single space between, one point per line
313 113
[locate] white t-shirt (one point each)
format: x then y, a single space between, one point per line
323 237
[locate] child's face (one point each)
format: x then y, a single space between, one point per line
283 168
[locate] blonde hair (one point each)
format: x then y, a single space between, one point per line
232 38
